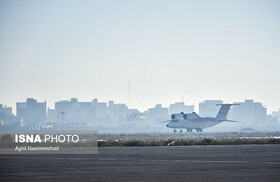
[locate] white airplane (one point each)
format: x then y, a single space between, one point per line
193 121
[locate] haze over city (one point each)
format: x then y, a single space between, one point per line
139 90
171 51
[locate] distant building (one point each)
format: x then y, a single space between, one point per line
157 115
100 109
276 115
95 114
101 118
249 114
180 107
31 111
272 123
51 115
6 116
6 110
132 114
74 112
209 108
117 112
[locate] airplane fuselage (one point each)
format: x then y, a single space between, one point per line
199 123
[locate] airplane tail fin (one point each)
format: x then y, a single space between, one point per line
222 114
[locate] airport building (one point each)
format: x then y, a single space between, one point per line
31 111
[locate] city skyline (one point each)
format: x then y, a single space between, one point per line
171 51
95 114
195 107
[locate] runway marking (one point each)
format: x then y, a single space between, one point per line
154 160
201 161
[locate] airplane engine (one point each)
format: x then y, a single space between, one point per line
178 115
190 116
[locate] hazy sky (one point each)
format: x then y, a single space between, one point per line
170 50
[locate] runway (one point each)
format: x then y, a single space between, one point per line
187 163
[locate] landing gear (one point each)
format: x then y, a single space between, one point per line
175 131
181 133
189 130
198 130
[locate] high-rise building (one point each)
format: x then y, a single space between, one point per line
74 112
209 108
6 110
180 107
6 116
249 114
132 114
157 115
117 112
276 114
51 115
100 109
31 111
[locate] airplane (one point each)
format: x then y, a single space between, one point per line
192 121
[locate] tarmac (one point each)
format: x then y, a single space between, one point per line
186 163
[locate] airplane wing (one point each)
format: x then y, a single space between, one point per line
173 120
230 121
166 121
